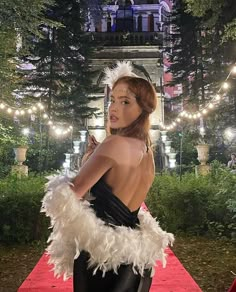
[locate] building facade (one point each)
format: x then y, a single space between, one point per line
133 31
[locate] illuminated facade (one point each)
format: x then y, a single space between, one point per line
134 31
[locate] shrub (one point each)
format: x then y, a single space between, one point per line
20 202
221 213
203 205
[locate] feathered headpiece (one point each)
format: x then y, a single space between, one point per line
123 68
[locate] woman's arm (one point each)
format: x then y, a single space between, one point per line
100 161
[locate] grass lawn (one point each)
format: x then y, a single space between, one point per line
212 263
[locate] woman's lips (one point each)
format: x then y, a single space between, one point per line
113 118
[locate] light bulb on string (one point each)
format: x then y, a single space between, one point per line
218 97
234 69
211 105
39 106
214 103
58 131
225 85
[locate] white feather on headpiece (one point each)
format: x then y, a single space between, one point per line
123 68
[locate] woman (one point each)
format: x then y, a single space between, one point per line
115 244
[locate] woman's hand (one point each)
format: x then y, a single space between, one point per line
92 144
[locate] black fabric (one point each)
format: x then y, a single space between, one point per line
110 208
112 211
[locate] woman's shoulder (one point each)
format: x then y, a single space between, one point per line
120 147
126 149
115 140
110 145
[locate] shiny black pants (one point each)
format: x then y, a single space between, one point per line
124 281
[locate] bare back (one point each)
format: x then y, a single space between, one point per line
132 175
124 164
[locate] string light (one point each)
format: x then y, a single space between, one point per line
225 85
34 109
234 69
210 105
204 111
22 112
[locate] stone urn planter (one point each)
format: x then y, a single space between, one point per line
172 159
20 154
203 156
203 153
20 157
167 147
76 146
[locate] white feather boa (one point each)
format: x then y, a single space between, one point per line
76 228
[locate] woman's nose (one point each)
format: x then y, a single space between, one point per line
113 107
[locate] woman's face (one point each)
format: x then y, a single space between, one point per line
123 109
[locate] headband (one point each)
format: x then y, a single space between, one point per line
122 69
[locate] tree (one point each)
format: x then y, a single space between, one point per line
201 62
19 20
186 58
218 18
215 11
62 74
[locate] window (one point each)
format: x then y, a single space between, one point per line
109 23
140 23
124 19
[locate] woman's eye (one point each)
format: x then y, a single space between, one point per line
125 102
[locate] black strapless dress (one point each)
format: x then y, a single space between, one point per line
112 211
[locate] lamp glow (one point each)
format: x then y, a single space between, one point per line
234 69
225 85
26 131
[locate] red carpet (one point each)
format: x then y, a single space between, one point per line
174 278
233 287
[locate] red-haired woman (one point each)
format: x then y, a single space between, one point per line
114 242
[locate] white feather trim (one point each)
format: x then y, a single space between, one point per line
123 68
77 228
